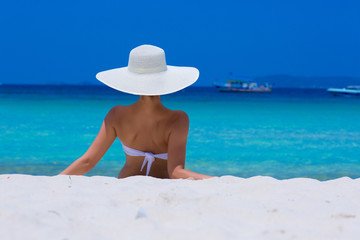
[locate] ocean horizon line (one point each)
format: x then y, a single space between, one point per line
104 86
276 81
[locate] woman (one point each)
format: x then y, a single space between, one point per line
150 134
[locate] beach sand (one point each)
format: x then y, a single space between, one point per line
79 207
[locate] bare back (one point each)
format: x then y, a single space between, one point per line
147 129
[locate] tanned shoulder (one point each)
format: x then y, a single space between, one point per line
113 114
181 120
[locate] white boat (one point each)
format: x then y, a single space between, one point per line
350 90
243 86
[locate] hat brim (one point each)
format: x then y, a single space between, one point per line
150 84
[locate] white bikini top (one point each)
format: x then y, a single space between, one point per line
149 156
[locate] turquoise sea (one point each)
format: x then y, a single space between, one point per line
288 133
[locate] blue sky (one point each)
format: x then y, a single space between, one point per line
56 42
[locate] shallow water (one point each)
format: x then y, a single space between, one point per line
288 133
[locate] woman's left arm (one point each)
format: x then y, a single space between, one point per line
96 151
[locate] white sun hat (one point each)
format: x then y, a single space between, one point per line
148 74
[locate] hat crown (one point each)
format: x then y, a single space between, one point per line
147 59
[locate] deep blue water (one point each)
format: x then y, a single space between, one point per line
288 133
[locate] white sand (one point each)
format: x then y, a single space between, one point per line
79 207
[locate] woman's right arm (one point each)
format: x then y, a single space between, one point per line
177 150
96 151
